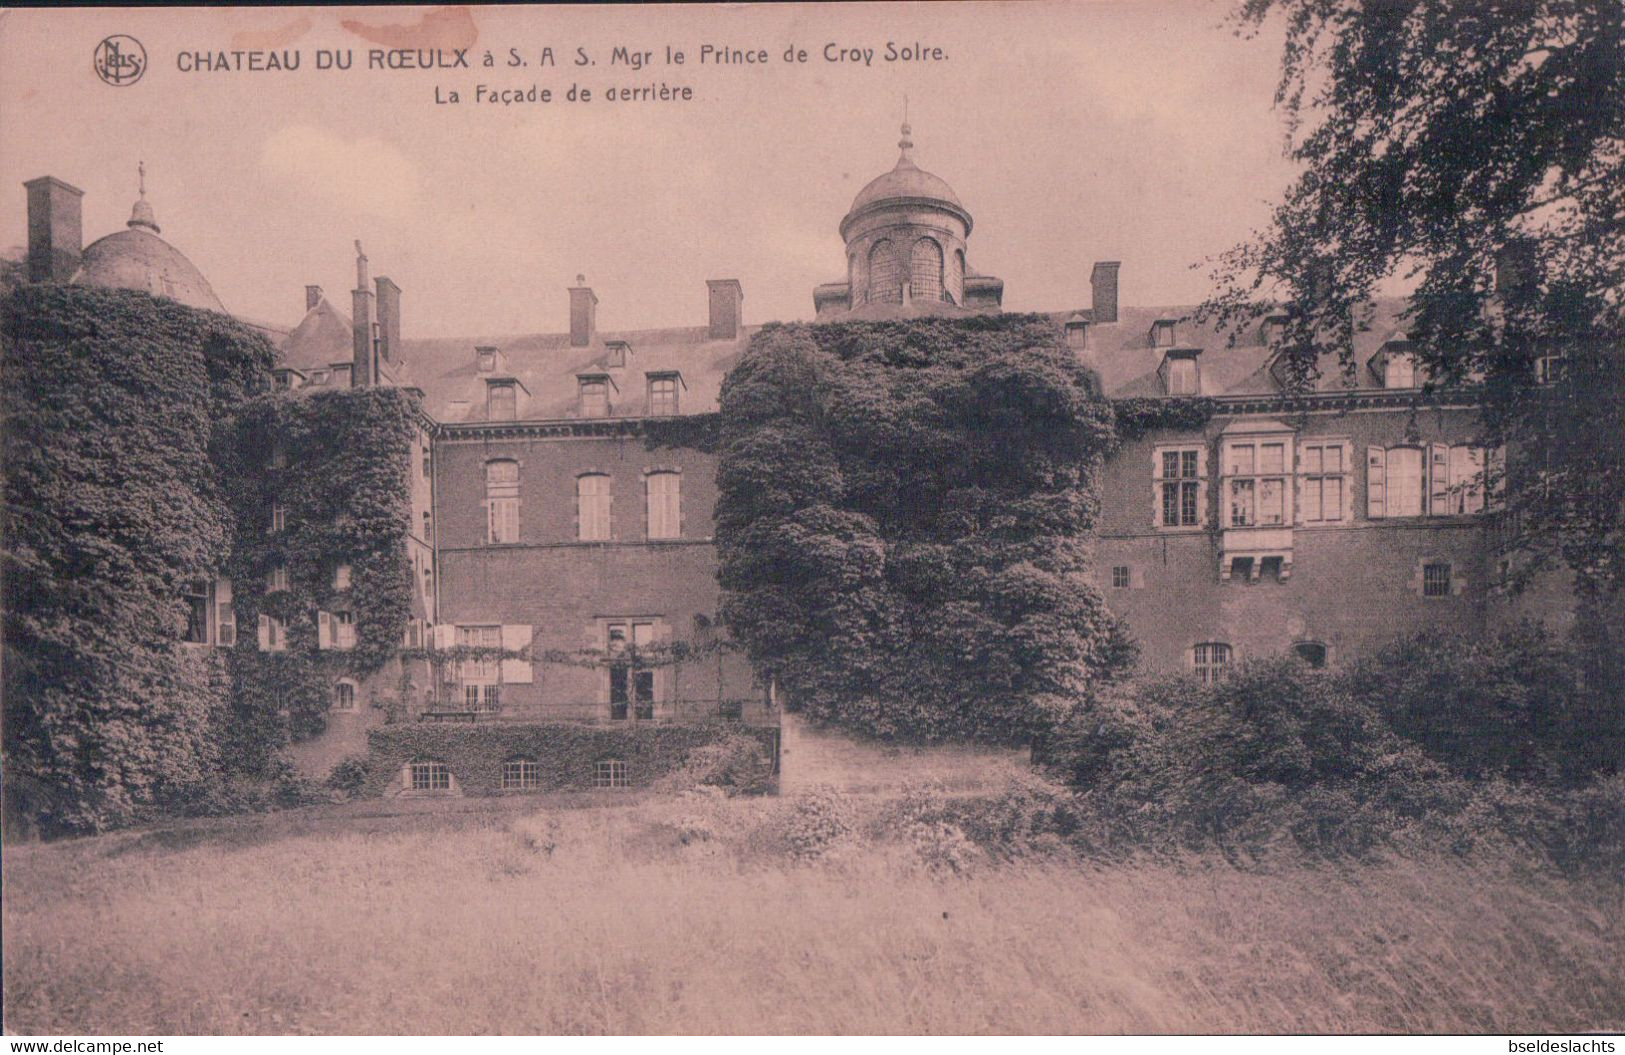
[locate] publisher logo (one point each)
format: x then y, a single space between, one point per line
120 60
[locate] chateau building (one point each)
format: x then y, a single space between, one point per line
545 523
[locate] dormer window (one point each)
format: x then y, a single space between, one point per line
619 353
1399 370
1271 329
486 359
663 394
287 379
501 400
341 374
321 377
1077 334
594 392
1162 333
1180 375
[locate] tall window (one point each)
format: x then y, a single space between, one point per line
631 684
1120 577
341 577
1402 482
502 501
277 578
925 270
1324 483
662 396
501 401
594 397
1210 660
343 629
344 696
885 282
1179 486
273 634
1465 491
1258 490
593 505
225 613
196 630
483 669
279 517
665 504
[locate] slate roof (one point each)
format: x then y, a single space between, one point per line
548 369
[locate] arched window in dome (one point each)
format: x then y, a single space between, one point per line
956 281
925 270
852 279
885 279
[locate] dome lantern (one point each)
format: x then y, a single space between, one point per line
142 215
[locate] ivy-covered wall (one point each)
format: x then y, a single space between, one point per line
567 753
903 523
115 406
339 464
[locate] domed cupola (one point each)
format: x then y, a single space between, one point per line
137 258
905 237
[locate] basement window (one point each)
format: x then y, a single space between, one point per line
1312 653
610 773
430 776
522 774
1436 579
1120 577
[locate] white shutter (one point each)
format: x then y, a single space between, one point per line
1495 467
516 671
1201 490
222 591
1376 469
324 630
265 633
1438 480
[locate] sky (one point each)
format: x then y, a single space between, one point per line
1072 132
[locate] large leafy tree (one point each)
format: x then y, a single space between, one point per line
1471 153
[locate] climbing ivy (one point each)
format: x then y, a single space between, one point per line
1142 414
339 464
115 403
902 522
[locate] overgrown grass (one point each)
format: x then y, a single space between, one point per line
685 915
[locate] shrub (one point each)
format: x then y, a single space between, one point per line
818 820
349 775
736 765
1510 706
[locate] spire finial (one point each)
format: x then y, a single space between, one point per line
905 144
142 215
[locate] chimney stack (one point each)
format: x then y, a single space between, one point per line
727 298
1103 289
389 319
361 300
55 234
1517 268
313 296
583 314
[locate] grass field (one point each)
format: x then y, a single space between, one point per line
505 917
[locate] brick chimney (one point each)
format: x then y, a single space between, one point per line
1517 268
583 313
1103 286
313 296
361 300
727 297
55 235
389 319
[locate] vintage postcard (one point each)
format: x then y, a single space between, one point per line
803 519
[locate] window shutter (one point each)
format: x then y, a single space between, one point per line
1201 489
648 510
1295 485
324 630
1347 481
1438 479
265 633
1375 490
516 671
1495 467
